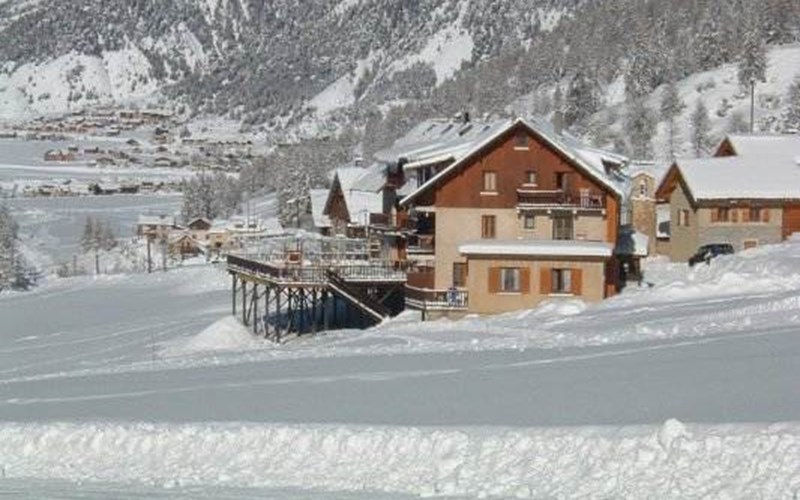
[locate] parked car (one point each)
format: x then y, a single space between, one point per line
707 252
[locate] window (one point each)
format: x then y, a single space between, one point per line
529 222
642 189
722 215
489 181
487 226
521 140
459 274
562 180
748 244
530 177
561 281
510 279
683 218
563 227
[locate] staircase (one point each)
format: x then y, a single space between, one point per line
370 306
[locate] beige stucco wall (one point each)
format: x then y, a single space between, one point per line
483 302
458 225
683 240
737 233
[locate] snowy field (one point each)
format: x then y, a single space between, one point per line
141 386
51 228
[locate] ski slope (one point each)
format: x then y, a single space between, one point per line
142 386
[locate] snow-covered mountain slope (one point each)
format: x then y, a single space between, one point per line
725 99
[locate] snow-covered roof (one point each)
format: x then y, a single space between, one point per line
361 188
765 167
436 141
537 248
318 198
767 147
156 220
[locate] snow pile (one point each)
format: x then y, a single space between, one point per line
673 461
227 334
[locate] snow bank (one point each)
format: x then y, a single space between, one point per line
669 461
227 334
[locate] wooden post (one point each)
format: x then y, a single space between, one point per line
325 310
314 311
266 310
233 294
278 315
255 308
244 301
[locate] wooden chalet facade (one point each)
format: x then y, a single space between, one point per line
515 219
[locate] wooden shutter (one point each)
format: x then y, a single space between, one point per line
494 279
745 215
577 281
545 281
525 280
765 215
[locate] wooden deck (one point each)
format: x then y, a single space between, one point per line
304 297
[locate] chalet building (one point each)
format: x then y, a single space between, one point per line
59 155
747 194
183 245
354 199
156 226
505 214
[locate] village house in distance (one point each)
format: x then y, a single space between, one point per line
747 194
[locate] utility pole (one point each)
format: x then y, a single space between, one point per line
752 104
149 258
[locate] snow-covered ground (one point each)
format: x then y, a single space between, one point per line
142 385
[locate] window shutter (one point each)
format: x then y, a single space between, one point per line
734 215
525 280
577 281
494 279
545 281
746 215
765 215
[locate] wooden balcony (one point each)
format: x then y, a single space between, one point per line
537 198
421 244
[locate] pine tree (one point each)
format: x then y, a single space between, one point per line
753 64
671 107
791 120
581 99
737 123
640 127
701 128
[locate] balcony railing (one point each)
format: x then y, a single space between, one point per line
423 299
421 244
559 197
282 272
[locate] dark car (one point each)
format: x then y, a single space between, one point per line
707 252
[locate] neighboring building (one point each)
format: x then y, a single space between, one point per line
156 226
318 199
198 228
747 195
506 214
355 199
183 244
642 205
59 155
